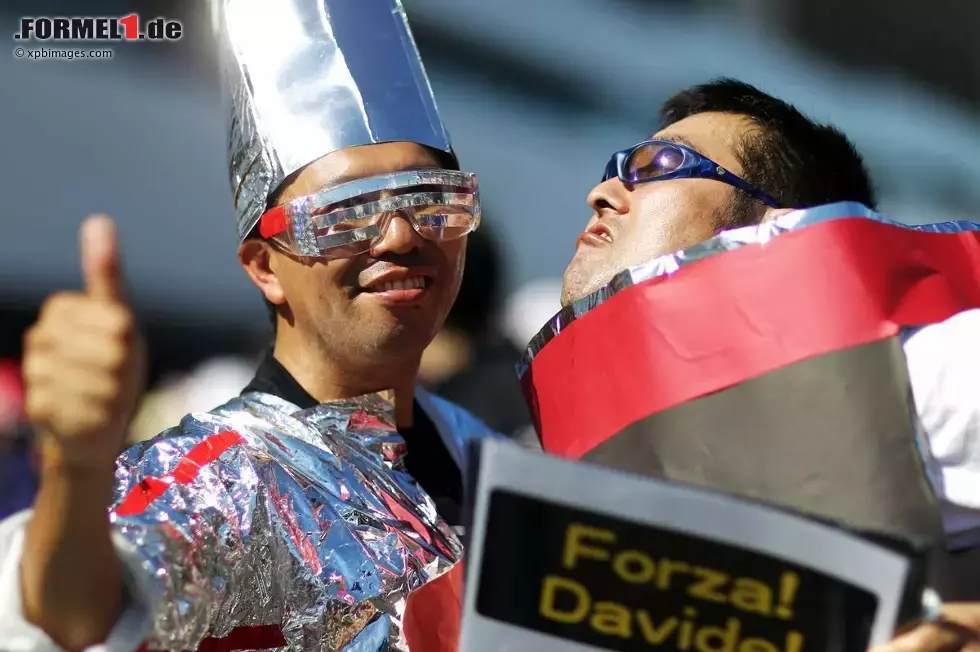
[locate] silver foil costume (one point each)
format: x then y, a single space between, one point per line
283 529
260 526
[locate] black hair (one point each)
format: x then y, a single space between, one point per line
798 162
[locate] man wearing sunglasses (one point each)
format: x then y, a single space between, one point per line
733 156
303 514
728 155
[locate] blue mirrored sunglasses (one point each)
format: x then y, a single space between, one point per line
660 160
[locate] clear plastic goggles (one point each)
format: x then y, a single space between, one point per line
349 219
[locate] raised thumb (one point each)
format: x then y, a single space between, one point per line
101 267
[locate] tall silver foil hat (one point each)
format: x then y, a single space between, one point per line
308 77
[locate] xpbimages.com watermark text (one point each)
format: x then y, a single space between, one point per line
73 31
61 54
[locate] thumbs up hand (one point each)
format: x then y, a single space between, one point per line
100 258
84 363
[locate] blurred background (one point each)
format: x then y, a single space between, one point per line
536 93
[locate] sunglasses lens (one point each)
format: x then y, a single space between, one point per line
349 219
653 160
440 223
349 238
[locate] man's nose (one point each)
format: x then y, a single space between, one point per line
611 194
399 237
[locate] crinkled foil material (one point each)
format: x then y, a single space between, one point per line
724 241
308 77
299 527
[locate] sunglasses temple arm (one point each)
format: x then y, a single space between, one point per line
745 187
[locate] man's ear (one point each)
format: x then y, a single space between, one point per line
257 258
773 213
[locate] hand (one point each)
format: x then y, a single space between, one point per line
84 363
957 631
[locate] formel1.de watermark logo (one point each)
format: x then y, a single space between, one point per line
98 28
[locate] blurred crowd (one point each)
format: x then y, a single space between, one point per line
18 468
470 362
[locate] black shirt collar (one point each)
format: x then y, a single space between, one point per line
427 460
272 378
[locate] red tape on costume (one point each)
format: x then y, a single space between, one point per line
259 637
742 314
433 613
142 495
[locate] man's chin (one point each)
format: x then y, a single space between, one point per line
569 295
396 346
579 282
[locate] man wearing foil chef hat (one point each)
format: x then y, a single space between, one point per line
291 517
729 156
